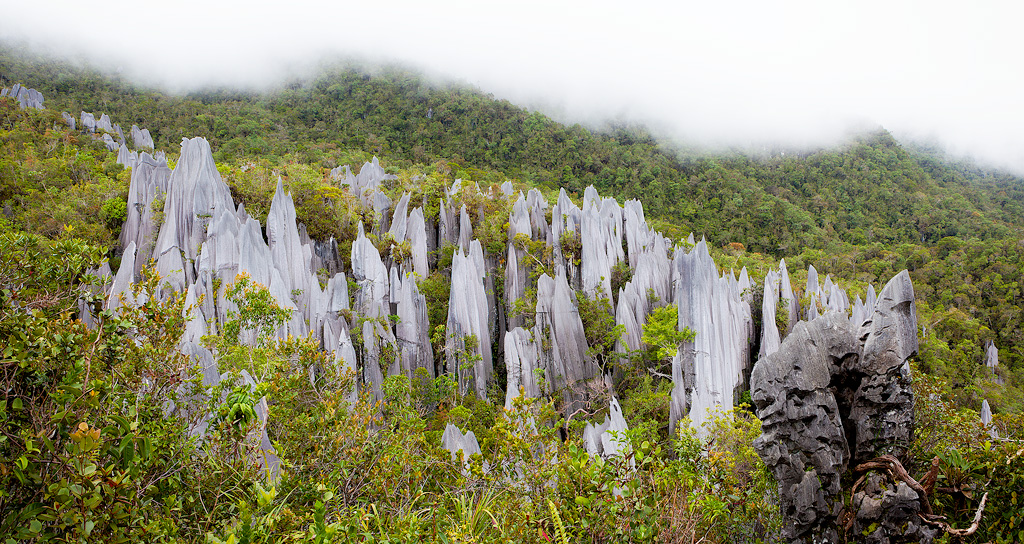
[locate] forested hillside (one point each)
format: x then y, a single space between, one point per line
859 211
93 437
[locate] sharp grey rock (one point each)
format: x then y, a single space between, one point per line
336 294
448 224
103 123
802 438
713 308
601 239
194 191
991 355
563 350
120 135
788 298
148 183
382 208
126 158
986 413
101 279
193 401
69 119
109 142
537 206
265 454
566 220
196 324
365 184
455 188
378 346
834 395
371 276
344 174
770 338
413 329
344 352
465 230
608 439
88 122
395 283
291 257
992 362
519 219
141 138
515 283
883 410
120 290
521 361
27 98
652 273
461 445
416 234
399 222
467 318
506 188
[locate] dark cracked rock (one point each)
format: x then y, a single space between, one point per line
835 394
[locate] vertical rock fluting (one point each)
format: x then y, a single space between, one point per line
27 98
468 338
713 308
883 404
562 343
521 363
836 394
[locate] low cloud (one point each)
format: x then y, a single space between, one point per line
715 73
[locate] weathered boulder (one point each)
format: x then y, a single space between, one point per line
802 437
834 395
884 508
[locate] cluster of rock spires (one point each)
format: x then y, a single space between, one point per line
27 98
831 391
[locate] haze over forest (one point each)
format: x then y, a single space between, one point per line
793 74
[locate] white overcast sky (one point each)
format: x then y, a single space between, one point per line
714 72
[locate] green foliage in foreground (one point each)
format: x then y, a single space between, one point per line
90 452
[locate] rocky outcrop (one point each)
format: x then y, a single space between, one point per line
833 395
461 445
521 364
712 307
563 345
27 98
141 138
608 439
468 333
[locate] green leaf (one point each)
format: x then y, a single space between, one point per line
17 404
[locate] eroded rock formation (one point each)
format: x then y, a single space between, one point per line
833 395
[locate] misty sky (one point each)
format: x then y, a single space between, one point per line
713 72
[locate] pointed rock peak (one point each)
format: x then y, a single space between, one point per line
361 232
